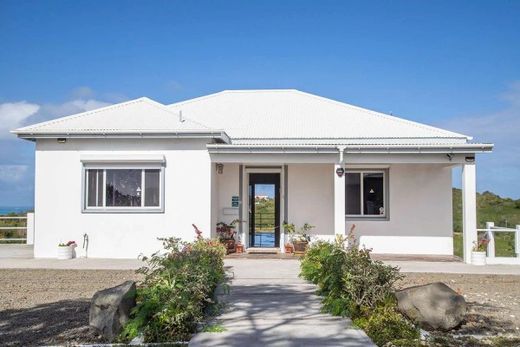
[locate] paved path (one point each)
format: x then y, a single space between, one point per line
269 305
455 268
71 264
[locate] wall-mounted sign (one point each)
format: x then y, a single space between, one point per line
235 200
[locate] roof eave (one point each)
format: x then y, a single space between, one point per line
218 135
352 149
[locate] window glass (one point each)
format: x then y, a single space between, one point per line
123 187
152 183
373 194
92 187
100 187
353 193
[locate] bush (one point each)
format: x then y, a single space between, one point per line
177 288
385 324
355 285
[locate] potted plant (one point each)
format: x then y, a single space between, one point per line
289 231
226 234
478 254
66 250
300 237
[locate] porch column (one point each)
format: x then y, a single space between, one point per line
339 201
469 209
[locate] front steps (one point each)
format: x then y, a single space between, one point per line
262 250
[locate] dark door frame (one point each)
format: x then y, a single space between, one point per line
264 178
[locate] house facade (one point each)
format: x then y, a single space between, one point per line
126 174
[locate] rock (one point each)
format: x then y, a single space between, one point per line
110 309
432 306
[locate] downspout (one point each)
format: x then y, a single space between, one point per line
341 150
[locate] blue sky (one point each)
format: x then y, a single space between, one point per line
453 64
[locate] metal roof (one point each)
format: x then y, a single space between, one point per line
139 117
283 118
291 116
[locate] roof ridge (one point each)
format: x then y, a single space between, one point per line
198 98
82 114
167 109
384 115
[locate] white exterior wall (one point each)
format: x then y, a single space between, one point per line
311 197
420 208
227 187
58 186
420 213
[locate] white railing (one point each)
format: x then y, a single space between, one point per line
28 228
491 231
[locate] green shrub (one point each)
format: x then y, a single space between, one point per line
313 261
354 285
386 324
178 286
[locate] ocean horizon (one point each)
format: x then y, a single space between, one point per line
14 209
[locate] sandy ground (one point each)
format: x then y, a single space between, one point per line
493 301
39 307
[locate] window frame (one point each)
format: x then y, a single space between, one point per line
386 194
122 209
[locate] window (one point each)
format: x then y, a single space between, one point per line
365 194
123 189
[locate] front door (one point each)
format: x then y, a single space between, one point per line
264 210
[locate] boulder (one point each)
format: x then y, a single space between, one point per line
432 306
110 309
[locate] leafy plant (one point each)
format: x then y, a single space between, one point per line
354 285
480 245
298 234
385 324
178 286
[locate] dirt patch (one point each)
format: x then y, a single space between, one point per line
41 307
493 302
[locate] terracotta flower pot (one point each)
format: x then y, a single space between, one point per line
300 246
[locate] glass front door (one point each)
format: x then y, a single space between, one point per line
264 210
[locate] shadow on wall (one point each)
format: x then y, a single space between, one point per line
58 322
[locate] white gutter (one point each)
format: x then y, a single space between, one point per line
352 149
220 135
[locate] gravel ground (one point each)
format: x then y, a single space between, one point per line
41 307
493 303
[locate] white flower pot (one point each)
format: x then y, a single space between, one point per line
65 252
478 258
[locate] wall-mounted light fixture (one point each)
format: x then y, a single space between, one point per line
62 140
450 156
220 168
340 171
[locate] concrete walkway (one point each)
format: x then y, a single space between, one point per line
455 268
268 305
71 264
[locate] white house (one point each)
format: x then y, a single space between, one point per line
129 173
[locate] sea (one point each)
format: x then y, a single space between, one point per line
14 209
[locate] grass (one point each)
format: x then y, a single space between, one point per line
504 212
215 328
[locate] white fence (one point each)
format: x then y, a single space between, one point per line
28 228
491 231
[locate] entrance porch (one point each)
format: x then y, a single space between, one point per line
398 204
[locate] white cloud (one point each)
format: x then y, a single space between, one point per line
71 107
82 92
498 171
12 173
13 115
